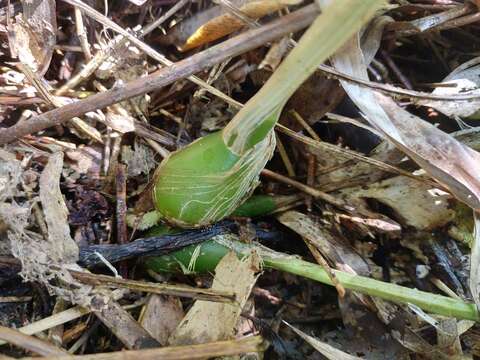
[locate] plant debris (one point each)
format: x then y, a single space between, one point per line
193 179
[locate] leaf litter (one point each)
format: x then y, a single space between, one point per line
380 132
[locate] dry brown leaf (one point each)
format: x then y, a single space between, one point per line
451 163
208 321
121 123
414 203
227 23
140 160
34 34
161 316
56 212
323 348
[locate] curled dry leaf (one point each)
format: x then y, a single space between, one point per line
334 248
275 54
34 34
227 23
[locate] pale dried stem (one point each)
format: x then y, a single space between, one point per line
317 194
284 156
30 343
305 125
82 35
188 352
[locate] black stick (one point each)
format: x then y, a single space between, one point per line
156 245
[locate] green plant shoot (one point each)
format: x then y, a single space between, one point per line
208 179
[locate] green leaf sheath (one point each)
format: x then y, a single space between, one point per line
205 181
259 205
208 179
256 205
207 255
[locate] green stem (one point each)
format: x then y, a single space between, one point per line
261 112
432 303
203 258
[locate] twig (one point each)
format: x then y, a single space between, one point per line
82 35
125 327
109 183
82 339
305 125
154 288
393 90
121 190
150 246
317 194
232 47
324 264
30 343
398 73
283 154
188 352
311 175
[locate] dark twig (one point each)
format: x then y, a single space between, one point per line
121 187
398 73
149 246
